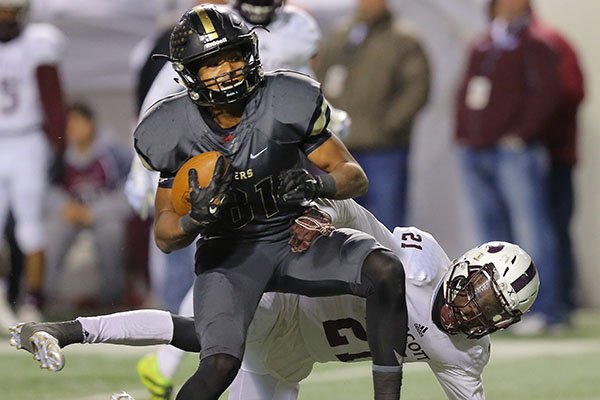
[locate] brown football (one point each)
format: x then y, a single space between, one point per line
204 164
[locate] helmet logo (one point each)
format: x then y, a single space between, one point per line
208 44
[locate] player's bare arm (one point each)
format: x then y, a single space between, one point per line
334 158
344 179
168 233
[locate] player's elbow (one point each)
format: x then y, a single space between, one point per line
164 242
360 182
363 185
164 246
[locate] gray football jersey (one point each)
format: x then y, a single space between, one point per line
284 120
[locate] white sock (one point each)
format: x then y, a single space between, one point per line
186 308
168 358
134 328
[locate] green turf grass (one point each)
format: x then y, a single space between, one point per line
551 368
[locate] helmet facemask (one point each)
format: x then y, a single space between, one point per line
192 44
238 83
477 304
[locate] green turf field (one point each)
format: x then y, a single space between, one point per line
561 367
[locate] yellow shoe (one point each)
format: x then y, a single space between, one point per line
159 386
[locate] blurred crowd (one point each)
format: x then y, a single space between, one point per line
73 196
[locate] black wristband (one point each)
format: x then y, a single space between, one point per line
327 187
190 226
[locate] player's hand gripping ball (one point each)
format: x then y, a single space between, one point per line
201 186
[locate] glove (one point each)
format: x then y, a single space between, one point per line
299 185
207 202
307 227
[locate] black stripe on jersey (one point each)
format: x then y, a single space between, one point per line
165 181
313 142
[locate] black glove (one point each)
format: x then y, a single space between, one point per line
207 202
298 185
307 227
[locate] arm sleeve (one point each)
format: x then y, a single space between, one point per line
53 105
543 80
349 214
458 384
572 82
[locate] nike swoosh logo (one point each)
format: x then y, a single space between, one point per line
253 156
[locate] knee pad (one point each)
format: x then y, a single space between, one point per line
382 270
222 368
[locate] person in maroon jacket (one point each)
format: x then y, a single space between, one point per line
89 198
561 142
505 105
32 113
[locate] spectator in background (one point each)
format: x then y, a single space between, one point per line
89 197
31 104
561 143
505 105
377 71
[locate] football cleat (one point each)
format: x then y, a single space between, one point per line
159 386
121 396
44 346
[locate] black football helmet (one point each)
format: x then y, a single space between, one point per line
257 12
203 32
12 18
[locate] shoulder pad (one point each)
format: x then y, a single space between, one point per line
47 44
294 96
159 131
422 256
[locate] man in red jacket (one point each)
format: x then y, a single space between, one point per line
561 142
506 103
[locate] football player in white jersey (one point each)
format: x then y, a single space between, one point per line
32 114
452 307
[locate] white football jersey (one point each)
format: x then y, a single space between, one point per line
310 330
291 42
20 107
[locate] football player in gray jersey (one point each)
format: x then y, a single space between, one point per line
266 126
